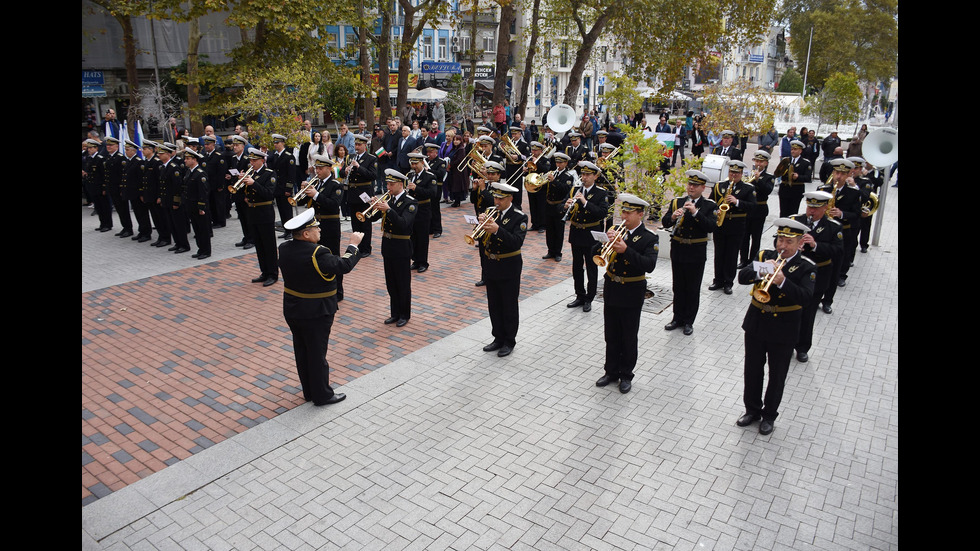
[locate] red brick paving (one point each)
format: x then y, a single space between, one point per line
175 363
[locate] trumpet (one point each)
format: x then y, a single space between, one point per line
605 255
315 182
480 230
373 209
761 290
234 188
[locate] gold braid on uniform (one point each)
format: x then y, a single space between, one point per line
317 267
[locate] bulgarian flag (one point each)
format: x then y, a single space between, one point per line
668 140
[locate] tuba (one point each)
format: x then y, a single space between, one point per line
881 147
561 118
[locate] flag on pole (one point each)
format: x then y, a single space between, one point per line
138 138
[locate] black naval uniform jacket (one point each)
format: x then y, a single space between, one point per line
577 154
151 180
588 218
396 226
500 253
689 242
736 217
132 178
482 200
308 272
827 232
557 192
733 152
284 165
260 195
848 200
361 180
196 189
625 278
764 184
779 319
170 184
424 192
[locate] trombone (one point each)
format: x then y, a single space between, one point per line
315 183
234 188
605 255
761 290
480 229
373 209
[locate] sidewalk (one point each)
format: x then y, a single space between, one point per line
450 447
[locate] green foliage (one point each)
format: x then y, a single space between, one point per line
641 158
459 99
740 106
621 95
839 101
791 82
338 94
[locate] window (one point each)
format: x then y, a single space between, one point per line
605 54
443 42
489 44
564 56
464 44
427 47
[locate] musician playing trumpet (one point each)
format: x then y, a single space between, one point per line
502 263
325 197
772 328
589 214
623 291
397 217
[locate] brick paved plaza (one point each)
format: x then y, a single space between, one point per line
195 434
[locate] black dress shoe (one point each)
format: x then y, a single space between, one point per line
248 246
688 329
505 350
557 258
171 249
864 249
765 427
495 345
401 322
195 255
364 254
103 230
827 309
270 281
480 283
575 303
747 419
802 357
605 380
144 239
841 283
728 290
259 279
587 307
136 237
715 286
203 256
126 233
541 230
437 235
241 243
547 256
118 233
423 268
414 266
744 264
338 397
182 250
625 386
672 325
391 320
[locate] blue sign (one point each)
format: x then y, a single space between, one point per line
93 78
441 67
756 58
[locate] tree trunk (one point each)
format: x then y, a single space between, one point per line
405 61
507 15
384 45
193 88
529 61
582 58
367 102
471 81
129 41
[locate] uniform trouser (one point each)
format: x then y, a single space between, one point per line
160 221
850 248
420 237
582 267
554 232
502 303
179 226
757 350
263 234
790 198
219 207
284 208
536 205
141 212
242 209
102 208
310 340
398 280
828 294
357 225
865 231
122 210
687 289
202 230
621 327
806 324
752 238
435 226
727 243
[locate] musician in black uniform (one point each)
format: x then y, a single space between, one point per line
439 171
576 151
421 186
859 181
93 170
589 209
764 184
500 257
795 174
480 194
133 179
693 217
824 245
115 165
309 301
170 183
740 198
177 212
240 162
284 164
397 217
515 163
150 194
633 255
727 148
869 183
260 189
610 178
846 209
772 327
361 174
537 201
197 206
215 164
557 193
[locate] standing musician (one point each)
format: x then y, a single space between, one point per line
151 192
133 177
772 325
536 201
589 209
481 196
309 301
634 254
422 187
502 263
515 164
794 174
215 164
284 165
610 176
862 226
824 245
557 192
115 166
260 189
439 171
740 198
177 211
764 184
601 137
726 147
693 218
196 204
169 186
361 174
576 151
397 217
870 183
325 198
93 170
240 162
847 210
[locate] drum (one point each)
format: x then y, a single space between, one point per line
715 167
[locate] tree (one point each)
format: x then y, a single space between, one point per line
621 95
642 157
123 12
839 100
529 58
739 106
426 10
791 82
508 13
